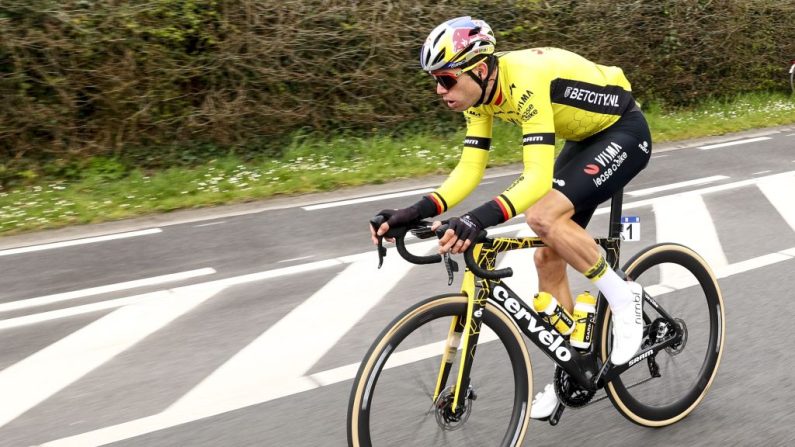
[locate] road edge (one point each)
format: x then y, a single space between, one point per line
239 209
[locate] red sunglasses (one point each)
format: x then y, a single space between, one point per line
446 80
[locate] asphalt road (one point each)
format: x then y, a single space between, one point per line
244 325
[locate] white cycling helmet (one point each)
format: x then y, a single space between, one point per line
459 42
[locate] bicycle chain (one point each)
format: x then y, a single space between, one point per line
606 396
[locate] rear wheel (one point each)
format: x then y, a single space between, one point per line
392 400
666 387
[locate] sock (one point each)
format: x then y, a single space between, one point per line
610 284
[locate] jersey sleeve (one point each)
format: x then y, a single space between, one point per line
538 154
467 174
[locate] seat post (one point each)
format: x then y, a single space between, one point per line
616 202
613 242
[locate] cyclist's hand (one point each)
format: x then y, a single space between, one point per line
394 218
462 232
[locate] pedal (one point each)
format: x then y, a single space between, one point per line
554 418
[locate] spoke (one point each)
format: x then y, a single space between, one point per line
439 434
478 427
417 380
419 424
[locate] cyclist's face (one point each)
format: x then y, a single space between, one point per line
462 92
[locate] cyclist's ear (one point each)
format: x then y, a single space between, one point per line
483 70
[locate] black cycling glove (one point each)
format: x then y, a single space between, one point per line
466 227
401 217
421 210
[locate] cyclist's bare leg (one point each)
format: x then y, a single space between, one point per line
550 219
552 276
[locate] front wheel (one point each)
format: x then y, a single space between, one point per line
666 387
392 400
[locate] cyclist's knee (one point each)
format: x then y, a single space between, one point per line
543 215
539 221
548 260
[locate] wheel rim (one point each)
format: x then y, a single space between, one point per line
401 410
687 369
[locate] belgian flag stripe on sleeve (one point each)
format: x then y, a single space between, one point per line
506 210
441 204
510 205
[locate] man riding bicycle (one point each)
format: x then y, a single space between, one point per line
549 93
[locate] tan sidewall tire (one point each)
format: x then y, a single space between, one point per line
614 397
376 353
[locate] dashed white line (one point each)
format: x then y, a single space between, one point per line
733 143
661 156
79 310
656 189
89 240
58 297
209 224
296 259
762 172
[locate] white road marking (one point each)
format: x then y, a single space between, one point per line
700 192
754 263
778 191
778 182
733 143
287 387
88 240
296 259
79 310
210 224
175 415
504 229
367 199
660 156
27 383
761 172
205 408
656 189
687 221
241 381
58 297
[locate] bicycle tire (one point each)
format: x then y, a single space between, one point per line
365 385
621 394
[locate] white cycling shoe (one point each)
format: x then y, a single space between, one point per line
628 327
544 403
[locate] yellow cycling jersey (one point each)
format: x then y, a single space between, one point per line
550 93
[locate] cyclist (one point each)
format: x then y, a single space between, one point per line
549 93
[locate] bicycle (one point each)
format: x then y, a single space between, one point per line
488 400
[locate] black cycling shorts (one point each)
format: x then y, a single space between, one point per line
590 171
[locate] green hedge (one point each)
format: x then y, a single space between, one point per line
114 78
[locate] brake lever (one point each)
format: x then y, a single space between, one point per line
381 251
451 266
376 222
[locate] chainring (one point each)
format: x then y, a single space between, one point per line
570 392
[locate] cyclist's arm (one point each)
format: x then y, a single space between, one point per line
467 174
538 154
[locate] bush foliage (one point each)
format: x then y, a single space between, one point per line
87 78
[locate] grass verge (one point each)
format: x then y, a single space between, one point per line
311 165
